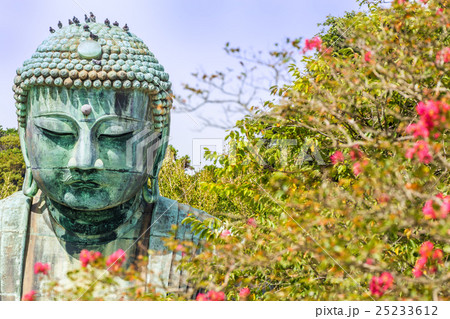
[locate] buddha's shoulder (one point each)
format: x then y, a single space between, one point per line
168 213
14 210
170 207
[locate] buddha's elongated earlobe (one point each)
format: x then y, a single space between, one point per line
151 195
29 187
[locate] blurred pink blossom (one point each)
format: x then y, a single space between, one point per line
314 43
41 268
244 292
29 296
337 157
116 260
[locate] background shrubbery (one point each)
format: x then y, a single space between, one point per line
12 166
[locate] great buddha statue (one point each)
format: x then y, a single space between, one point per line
93 107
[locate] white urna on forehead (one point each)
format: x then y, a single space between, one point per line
95 56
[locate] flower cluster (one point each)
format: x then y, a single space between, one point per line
244 292
40 268
360 161
443 56
430 211
29 296
211 296
314 43
252 222
422 150
225 233
87 257
337 157
432 113
115 261
429 257
379 285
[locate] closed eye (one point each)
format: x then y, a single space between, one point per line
112 135
56 134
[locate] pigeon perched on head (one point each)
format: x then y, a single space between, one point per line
107 23
59 24
93 36
70 22
126 28
86 27
116 23
86 18
92 17
51 30
76 21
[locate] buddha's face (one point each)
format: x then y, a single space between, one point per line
82 145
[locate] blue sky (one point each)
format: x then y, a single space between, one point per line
184 35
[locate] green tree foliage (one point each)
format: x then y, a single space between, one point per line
178 181
12 166
307 229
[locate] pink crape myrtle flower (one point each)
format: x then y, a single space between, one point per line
244 292
421 262
421 149
379 285
355 153
180 248
432 114
337 157
368 56
445 207
116 260
29 296
225 233
426 249
251 222
438 254
358 167
418 130
314 43
443 56
384 198
87 257
417 273
201 297
429 210
211 296
370 261
40 268
430 256
216 295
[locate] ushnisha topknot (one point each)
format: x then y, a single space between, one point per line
93 56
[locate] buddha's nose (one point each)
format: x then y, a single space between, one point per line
85 155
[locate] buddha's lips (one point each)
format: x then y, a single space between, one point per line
84 184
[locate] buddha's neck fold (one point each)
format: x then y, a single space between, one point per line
94 227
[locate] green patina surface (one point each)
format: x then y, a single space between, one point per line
93 108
